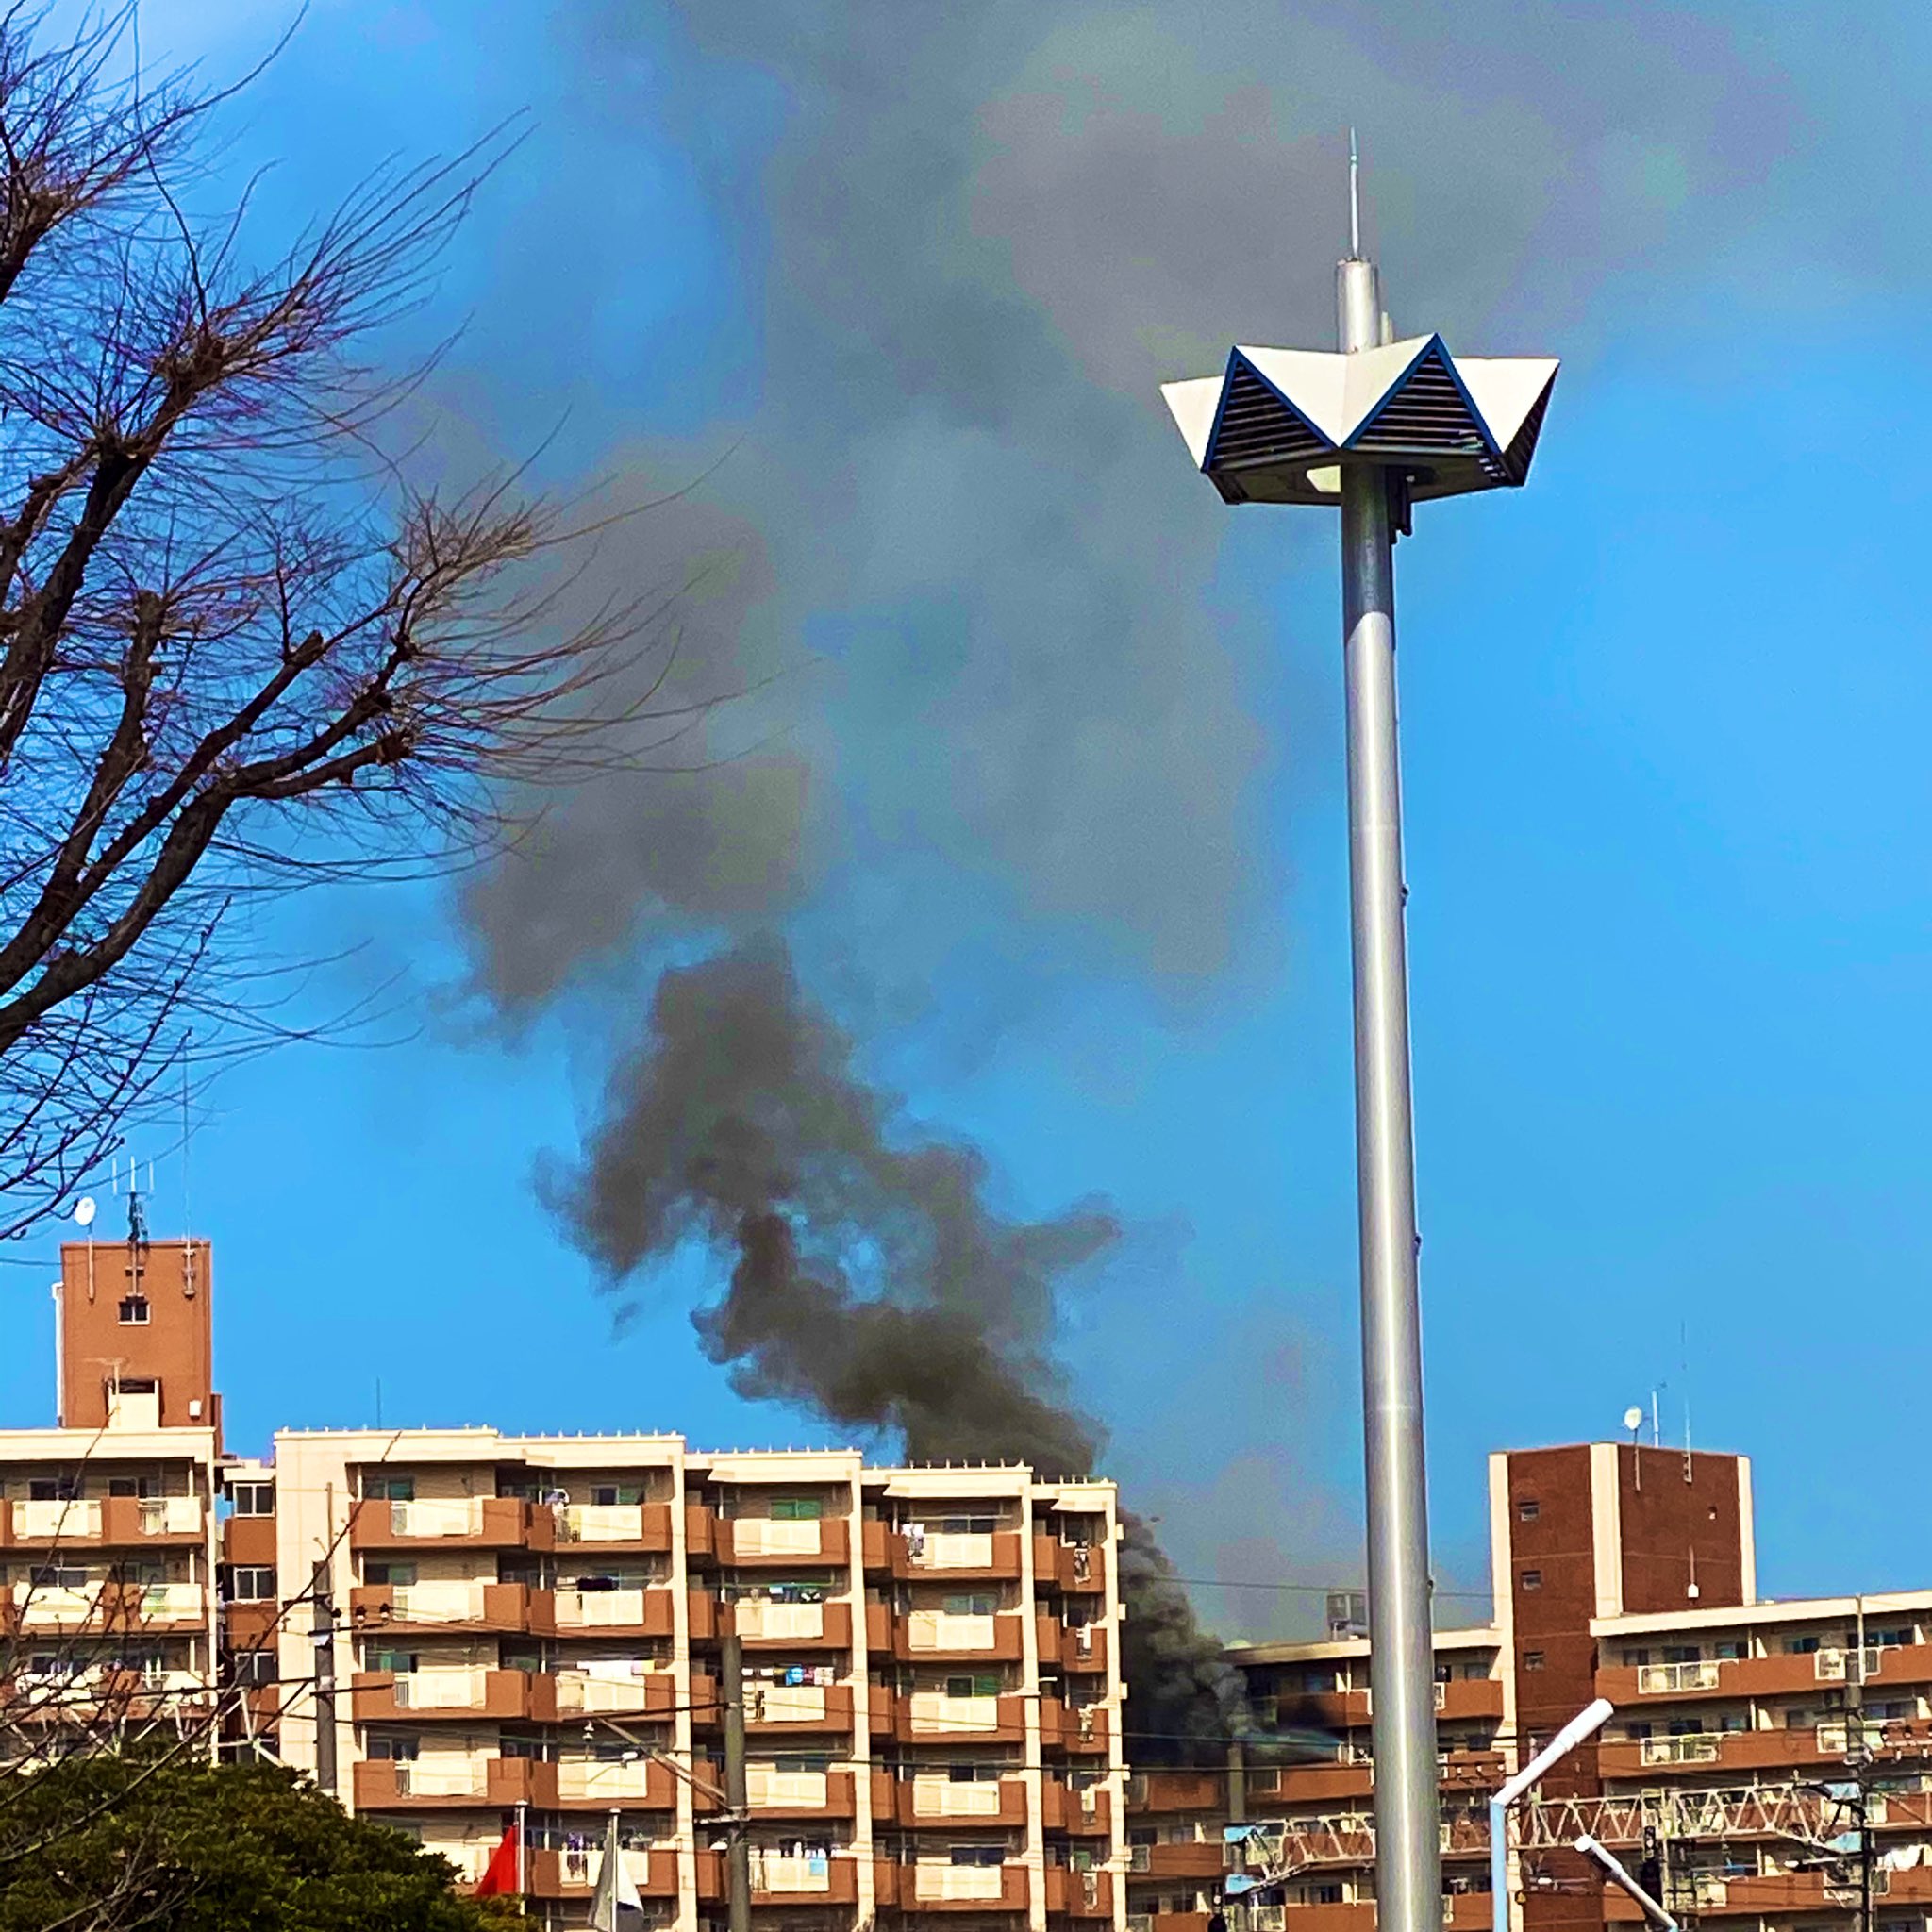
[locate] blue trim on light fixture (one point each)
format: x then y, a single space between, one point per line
1436 346
1236 359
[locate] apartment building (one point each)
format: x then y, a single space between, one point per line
930 1655
1752 1747
108 1524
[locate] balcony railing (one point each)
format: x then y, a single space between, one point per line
1660 1680
944 1797
754 1617
168 1515
583 1690
768 1787
49 1522
432 1777
1696 1747
760 1535
936 1883
595 1779
442 1687
437 1516
936 1711
950 1631
451 1601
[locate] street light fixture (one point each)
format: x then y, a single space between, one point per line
1586 1724
1374 430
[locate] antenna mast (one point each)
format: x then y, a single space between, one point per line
1355 200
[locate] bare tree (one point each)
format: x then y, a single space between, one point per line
240 651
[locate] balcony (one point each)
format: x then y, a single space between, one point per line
1153 1792
1780 1896
109 1523
937 1717
1789 1749
608 1784
449 1783
938 1888
1068 1566
454 1692
109 1605
926 1800
1470 1697
944 1636
634 1612
700 1533
1762 1676
571 1874
1081 1894
643 1694
969 1556
1085 1647
473 1523
763 1625
454 1606
757 1539
617 1526
1196 1858
776 1794
1086 1813
874 1539
776 1708
1081 1728
780 1878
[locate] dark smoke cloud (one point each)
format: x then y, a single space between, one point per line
873 1282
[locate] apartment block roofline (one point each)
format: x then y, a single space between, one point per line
1767 1610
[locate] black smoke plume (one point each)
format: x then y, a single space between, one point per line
873 1283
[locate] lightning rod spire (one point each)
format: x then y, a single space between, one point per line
1355 200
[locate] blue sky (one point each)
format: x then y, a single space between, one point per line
1665 715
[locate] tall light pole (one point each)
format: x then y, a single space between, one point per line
1373 430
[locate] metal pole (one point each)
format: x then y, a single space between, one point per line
738 1842
1620 1877
325 1636
1408 1861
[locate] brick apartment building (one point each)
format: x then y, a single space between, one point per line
528 1626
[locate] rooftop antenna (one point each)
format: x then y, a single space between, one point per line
1355 200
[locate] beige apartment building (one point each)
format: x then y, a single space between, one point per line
530 1627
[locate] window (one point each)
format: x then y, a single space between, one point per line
1326 1894
1444 1673
1636 1657
982 1774
1729 1650
1532 1659
1682 1654
1887 1640
253 1499
390 1569
607 1495
133 1486
50 1489
379 1487
966 1526
251 1583
979 1854
1801 1646
981 1684
1528 1509
1532 1579
134 1311
971 1603
386 1656
797 1509
252 1667
398 1748
60 1576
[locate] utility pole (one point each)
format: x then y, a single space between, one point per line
1374 430
323 1631
738 1841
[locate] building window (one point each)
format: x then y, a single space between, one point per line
983 1684
979 1854
134 1311
51 1489
1729 1650
611 1496
388 1570
251 1583
253 1499
401 1750
1326 1894
1528 1509
1532 1659
1532 1579
1801 1646
967 1525
970 1602
383 1657
380 1488
797 1509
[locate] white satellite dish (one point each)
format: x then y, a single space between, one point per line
84 1210
1633 1418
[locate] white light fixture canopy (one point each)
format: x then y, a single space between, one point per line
1278 426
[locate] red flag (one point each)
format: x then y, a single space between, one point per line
499 1879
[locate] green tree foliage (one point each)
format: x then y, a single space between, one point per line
111 1844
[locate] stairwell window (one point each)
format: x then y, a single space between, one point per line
1532 1579
1532 1659
134 1311
1528 1509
